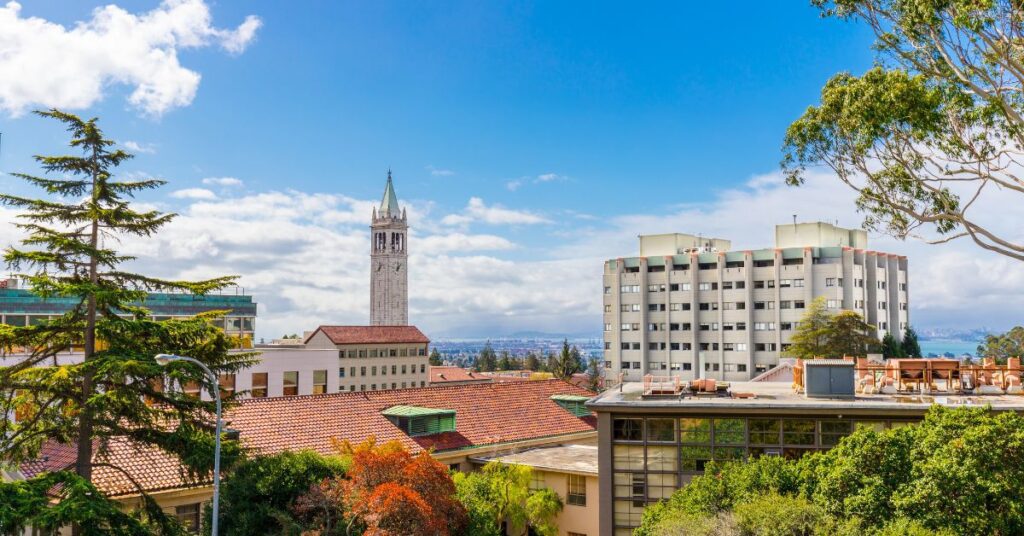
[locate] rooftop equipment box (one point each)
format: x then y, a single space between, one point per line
828 378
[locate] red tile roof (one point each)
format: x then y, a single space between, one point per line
371 334
455 374
485 414
152 468
53 456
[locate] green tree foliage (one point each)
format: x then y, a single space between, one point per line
435 358
499 495
505 362
487 360
960 471
531 362
890 347
810 338
116 390
1000 347
849 335
911 346
260 495
823 334
52 501
937 125
595 382
772 514
567 362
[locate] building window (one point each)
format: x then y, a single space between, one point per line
319 382
577 490
290 383
834 304
188 516
373 371
341 372
761 305
627 429
685 286
227 385
259 385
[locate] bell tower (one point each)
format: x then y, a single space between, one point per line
389 271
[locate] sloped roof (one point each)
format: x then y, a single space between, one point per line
486 414
390 201
455 374
371 334
152 468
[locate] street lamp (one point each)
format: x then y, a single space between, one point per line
163 360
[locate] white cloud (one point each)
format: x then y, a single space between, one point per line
477 210
44 64
222 181
193 193
513 185
437 172
305 258
548 177
136 147
462 243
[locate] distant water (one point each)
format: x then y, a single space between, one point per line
954 347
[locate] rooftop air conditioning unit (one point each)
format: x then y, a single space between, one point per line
828 378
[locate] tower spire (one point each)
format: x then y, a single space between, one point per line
389 202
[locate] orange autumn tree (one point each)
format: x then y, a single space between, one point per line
393 493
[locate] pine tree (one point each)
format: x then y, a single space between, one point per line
505 362
594 379
115 390
910 344
810 339
487 360
849 335
567 363
435 358
531 362
890 348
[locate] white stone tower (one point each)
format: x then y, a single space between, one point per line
389 271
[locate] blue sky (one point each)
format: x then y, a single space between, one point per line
592 120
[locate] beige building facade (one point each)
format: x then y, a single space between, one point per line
692 307
571 472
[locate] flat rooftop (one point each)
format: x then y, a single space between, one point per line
579 459
769 397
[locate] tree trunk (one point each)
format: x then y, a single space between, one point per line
83 465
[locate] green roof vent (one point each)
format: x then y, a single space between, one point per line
574 404
417 421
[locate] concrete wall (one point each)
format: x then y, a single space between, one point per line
638 292
818 234
675 243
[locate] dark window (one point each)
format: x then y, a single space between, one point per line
627 429
661 430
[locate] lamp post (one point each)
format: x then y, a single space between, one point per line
163 360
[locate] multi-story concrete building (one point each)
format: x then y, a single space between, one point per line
650 445
692 307
389 266
20 307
